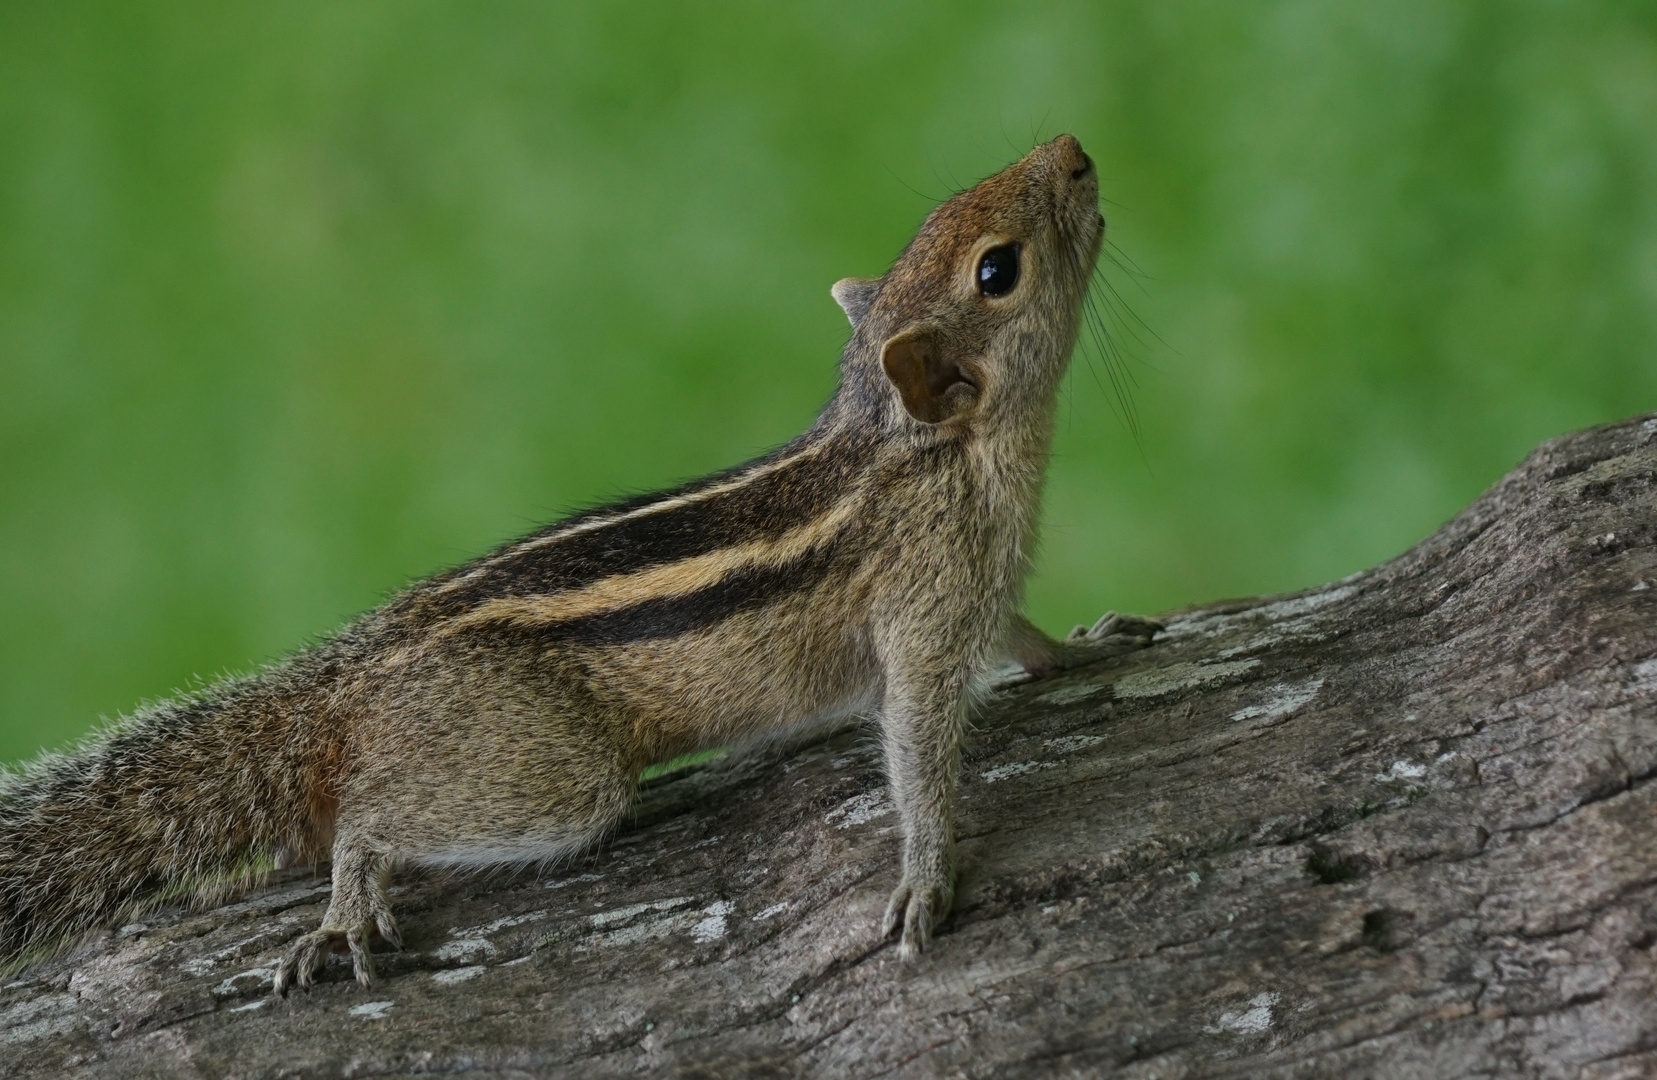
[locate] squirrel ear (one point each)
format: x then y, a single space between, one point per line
934 388
855 295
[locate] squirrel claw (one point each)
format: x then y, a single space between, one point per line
916 910
362 961
302 961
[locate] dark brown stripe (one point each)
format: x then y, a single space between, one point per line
741 591
791 495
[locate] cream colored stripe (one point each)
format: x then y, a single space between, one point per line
653 508
675 579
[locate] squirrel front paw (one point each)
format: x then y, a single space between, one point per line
1115 634
918 904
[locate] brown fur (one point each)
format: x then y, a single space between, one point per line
501 712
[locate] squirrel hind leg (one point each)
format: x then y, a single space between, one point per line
359 909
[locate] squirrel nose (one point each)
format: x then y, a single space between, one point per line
1069 155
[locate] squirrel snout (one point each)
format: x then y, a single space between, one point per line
1069 156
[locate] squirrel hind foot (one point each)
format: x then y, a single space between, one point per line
359 910
302 961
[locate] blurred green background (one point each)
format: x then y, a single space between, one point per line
299 302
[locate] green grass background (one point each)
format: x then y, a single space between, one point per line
302 301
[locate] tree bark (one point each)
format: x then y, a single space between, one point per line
1402 825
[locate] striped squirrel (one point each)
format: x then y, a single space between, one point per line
501 712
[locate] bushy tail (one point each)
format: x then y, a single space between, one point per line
184 799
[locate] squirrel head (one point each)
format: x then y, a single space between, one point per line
974 324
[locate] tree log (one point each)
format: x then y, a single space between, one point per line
1402 825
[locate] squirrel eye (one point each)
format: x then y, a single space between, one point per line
998 271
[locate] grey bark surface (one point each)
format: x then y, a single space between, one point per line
1403 825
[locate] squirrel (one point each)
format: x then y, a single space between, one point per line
501 712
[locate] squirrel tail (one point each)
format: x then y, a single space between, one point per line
187 799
